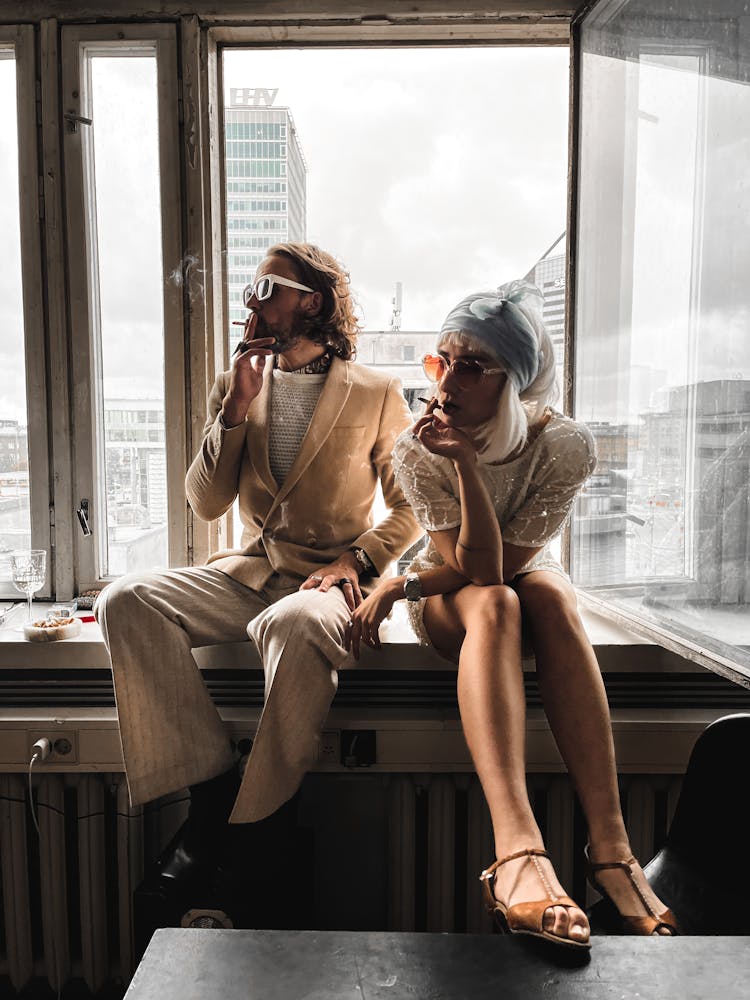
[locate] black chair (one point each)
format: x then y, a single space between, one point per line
702 871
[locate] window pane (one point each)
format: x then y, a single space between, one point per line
15 517
429 172
130 407
663 304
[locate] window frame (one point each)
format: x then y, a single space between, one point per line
260 31
597 603
21 39
78 42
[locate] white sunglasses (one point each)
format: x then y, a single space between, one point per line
262 288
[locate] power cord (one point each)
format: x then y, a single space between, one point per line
41 751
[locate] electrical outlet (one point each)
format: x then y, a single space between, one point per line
63 743
329 747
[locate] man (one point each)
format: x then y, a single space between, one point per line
302 435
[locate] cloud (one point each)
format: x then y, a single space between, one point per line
442 169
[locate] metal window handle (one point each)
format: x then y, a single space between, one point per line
83 517
75 120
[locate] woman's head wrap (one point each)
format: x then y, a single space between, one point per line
506 323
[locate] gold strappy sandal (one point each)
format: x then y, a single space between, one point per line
527 918
645 925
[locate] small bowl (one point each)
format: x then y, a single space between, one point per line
52 630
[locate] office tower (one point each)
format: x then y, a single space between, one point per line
266 185
548 274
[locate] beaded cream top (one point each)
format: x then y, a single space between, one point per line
532 494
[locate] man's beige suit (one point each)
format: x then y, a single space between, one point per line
171 733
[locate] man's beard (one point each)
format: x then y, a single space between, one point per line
289 335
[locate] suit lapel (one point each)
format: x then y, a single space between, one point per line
258 429
330 404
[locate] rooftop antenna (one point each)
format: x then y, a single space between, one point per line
396 314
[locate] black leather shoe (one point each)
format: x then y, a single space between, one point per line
180 863
177 869
199 846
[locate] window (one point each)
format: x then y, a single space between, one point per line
123 207
662 346
421 165
24 474
421 189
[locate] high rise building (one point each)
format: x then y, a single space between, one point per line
266 197
548 274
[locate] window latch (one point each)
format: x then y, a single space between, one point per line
75 120
83 517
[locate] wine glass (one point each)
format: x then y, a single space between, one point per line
28 568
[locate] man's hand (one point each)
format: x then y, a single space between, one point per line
246 379
371 612
342 573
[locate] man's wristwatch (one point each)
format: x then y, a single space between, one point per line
412 587
363 561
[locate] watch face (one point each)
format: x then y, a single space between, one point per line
412 588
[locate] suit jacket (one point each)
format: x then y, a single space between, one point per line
324 505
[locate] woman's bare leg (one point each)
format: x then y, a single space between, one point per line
575 702
485 624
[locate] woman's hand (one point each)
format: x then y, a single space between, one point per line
442 439
365 621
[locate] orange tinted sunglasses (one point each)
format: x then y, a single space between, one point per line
466 373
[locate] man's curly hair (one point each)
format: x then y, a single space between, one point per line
336 325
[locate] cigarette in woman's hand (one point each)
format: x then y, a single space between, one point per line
436 405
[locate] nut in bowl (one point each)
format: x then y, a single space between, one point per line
52 629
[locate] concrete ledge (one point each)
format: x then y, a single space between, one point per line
410 738
617 649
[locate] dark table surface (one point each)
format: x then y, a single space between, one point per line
349 965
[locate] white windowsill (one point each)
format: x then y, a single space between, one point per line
618 649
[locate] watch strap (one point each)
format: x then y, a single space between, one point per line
365 563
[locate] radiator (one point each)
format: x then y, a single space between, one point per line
67 895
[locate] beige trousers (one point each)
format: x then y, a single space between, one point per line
171 733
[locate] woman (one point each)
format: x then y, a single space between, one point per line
491 473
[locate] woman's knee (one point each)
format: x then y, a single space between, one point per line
546 599
496 604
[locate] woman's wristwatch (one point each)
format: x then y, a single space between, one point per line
412 587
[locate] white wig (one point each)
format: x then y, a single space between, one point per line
507 325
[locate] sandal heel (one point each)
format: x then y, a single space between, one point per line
645 925
527 918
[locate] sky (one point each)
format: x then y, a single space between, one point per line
442 169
